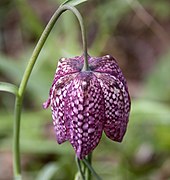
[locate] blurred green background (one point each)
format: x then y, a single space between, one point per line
137 34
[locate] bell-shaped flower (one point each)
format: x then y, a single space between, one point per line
86 103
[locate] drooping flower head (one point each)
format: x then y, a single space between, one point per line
86 103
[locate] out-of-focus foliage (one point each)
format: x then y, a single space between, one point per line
113 28
158 82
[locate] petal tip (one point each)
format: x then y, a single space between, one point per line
46 104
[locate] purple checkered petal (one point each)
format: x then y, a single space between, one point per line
69 66
117 106
106 64
65 66
85 108
57 100
84 103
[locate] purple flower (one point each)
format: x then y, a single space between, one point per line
84 103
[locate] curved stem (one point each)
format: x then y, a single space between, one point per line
27 73
43 38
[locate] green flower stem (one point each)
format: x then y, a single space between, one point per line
27 73
84 167
89 159
80 168
16 137
86 162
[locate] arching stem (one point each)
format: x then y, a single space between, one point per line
27 73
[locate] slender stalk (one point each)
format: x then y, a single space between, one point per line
84 168
27 73
80 168
16 137
43 38
91 169
89 159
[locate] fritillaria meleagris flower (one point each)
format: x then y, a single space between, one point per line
86 103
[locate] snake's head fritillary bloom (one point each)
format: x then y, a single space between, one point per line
86 103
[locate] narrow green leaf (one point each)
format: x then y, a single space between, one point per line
73 2
7 87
